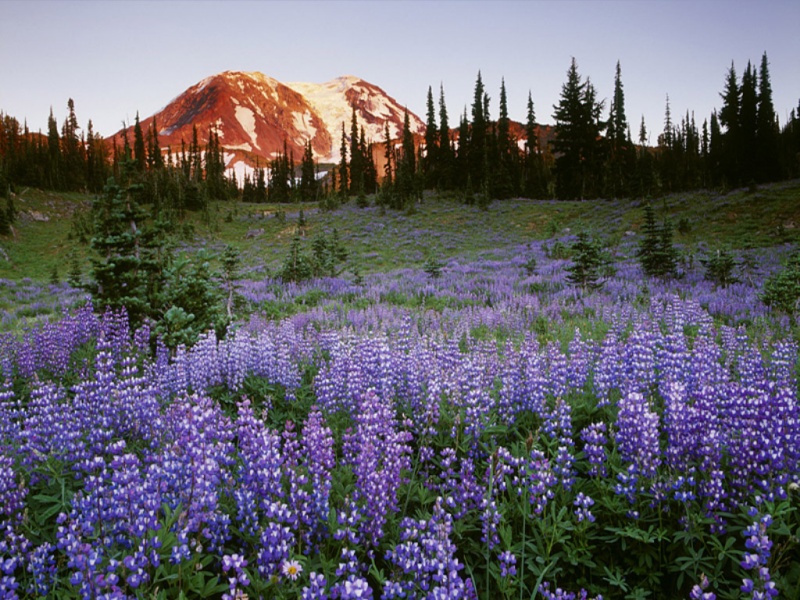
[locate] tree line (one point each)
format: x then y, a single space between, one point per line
590 152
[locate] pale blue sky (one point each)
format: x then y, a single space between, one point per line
116 57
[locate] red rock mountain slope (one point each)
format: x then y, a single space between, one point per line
253 115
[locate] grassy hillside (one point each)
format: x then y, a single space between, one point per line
48 226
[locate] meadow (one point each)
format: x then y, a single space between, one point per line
484 429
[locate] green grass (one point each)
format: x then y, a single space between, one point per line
441 226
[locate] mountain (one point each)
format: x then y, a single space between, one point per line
255 114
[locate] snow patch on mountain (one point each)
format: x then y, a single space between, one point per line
247 120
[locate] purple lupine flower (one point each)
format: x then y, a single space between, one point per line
594 439
508 564
583 503
637 435
756 557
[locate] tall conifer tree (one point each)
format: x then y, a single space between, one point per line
445 145
430 160
767 138
729 119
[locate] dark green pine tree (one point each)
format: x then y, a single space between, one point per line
768 166
445 146
506 182
577 131
532 175
668 152
155 159
356 157
54 176
405 185
260 191
73 152
476 148
462 170
388 157
279 189
139 149
308 179
96 164
656 254
619 141
748 123
125 269
430 158
370 174
587 263
731 136
343 170
715 150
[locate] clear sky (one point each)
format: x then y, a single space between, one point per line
117 57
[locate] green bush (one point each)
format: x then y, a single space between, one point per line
782 290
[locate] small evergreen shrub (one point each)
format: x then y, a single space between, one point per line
656 254
587 263
719 268
782 291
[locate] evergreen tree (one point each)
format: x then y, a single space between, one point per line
748 124
388 156
533 177
476 148
405 185
343 170
656 254
767 138
356 157
587 263
127 264
370 174
729 119
618 140
96 165
430 159
154 158
53 177
279 187
308 179
506 182
139 151
577 132
462 170
445 158
73 153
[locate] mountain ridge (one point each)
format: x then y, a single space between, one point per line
257 117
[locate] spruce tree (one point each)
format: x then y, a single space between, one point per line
73 151
356 157
618 139
430 158
445 150
577 131
404 188
656 254
53 177
343 170
767 138
308 180
729 120
533 179
748 124
587 263
506 182
139 151
477 140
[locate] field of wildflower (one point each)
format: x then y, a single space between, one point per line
484 431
